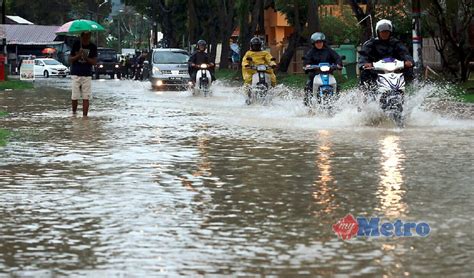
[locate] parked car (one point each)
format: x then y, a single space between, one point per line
169 68
50 67
107 63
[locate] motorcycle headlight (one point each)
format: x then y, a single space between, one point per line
101 66
204 66
324 68
156 70
116 66
261 68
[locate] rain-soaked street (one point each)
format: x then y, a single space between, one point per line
165 183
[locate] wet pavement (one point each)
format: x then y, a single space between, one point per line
163 183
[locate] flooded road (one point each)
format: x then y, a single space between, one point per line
163 183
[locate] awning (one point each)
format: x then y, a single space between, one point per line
29 34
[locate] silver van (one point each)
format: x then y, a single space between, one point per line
169 68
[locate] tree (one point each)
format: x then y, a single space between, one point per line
41 12
364 17
448 22
249 12
313 16
227 24
296 12
347 31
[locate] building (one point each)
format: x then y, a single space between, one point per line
13 19
28 39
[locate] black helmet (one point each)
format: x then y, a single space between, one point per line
202 42
256 44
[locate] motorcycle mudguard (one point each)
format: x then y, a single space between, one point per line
323 80
256 79
202 74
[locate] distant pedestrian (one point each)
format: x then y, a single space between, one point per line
83 57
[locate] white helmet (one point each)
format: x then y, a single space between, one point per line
384 25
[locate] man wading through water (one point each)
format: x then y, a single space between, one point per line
83 57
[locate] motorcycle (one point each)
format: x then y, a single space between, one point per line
261 83
203 81
138 74
391 88
324 86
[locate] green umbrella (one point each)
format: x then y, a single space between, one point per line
78 26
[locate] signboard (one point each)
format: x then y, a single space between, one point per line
27 70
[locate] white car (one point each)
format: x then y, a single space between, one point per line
50 67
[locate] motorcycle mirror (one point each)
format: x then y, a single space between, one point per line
249 59
273 59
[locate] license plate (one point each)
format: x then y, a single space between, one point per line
175 78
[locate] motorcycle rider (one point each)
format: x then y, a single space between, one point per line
319 53
383 46
139 65
259 57
200 57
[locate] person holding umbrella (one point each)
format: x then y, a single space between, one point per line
83 57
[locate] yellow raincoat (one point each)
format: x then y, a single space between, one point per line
259 58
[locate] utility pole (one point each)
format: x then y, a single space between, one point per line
154 19
97 20
4 20
4 3
416 38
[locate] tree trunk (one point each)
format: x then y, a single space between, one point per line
285 60
165 15
293 42
247 29
313 17
226 20
192 21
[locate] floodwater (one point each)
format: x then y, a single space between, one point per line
163 183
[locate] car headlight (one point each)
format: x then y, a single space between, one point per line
101 66
116 66
156 70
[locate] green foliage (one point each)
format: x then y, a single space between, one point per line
3 133
4 136
228 74
398 12
292 80
56 12
341 30
348 83
16 85
288 8
134 30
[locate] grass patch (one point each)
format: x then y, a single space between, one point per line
468 98
3 136
3 132
16 85
227 74
292 80
348 83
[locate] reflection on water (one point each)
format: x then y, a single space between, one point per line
391 189
169 184
324 188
